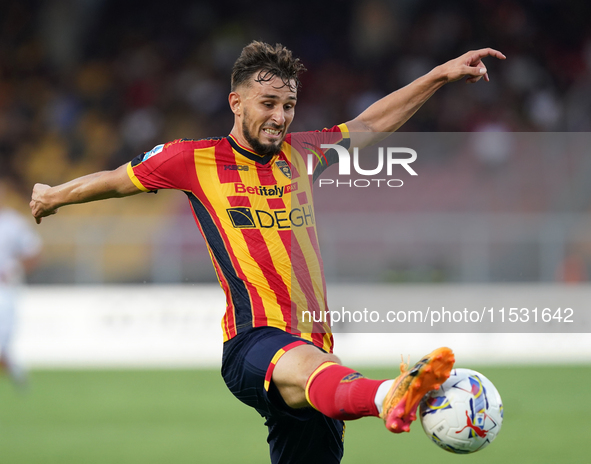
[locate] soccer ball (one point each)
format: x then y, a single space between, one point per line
465 415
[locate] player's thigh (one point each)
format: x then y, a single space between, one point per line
293 370
248 364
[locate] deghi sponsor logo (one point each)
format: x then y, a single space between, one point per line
247 218
268 191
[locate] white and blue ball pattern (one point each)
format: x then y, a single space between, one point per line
465 415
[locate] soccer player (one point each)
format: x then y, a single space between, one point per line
20 246
252 200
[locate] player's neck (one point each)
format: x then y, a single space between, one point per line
240 139
238 136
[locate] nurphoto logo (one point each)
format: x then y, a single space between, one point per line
390 160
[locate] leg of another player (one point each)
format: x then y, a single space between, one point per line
7 326
306 376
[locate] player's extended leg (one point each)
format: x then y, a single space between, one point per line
306 376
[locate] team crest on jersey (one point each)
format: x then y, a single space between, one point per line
284 167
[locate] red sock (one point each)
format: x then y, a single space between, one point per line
342 393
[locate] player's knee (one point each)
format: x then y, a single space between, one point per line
295 367
293 371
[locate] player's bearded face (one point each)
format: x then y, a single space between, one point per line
268 112
261 147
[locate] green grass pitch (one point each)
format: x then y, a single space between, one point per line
188 416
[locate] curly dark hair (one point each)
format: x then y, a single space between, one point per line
269 62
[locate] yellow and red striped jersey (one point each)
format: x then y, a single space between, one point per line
257 217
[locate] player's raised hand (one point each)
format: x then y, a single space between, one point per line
469 65
39 206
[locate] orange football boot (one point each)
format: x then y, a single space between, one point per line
399 408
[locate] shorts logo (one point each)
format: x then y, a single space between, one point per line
241 218
235 167
284 167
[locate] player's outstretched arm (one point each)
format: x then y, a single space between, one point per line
390 112
46 200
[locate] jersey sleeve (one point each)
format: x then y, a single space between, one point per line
310 143
166 166
333 135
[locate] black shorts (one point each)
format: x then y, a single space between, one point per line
295 435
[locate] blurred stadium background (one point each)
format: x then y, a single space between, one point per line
87 85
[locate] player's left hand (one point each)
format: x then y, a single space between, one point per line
469 65
38 204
